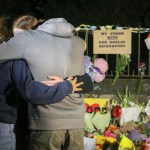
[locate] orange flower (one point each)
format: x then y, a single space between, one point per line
113 128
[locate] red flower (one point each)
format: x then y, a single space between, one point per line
116 111
94 108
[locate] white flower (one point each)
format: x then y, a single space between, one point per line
147 108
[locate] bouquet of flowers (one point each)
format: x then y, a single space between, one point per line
130 110
96 70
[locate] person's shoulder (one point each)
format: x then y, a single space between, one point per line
34 33
19 65
19 61
11 63
19 37
78 39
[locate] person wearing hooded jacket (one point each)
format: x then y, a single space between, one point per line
52 49
16 79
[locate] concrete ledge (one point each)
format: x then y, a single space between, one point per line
106 86
106 89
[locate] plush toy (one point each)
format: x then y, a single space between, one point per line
97 69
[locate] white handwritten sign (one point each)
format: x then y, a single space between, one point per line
112 42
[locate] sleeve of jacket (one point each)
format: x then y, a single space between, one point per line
36 92
14 48
88 84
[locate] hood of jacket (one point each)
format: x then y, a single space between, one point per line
57 27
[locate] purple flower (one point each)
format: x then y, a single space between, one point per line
143 64
148 140
135 135
97 70
142 67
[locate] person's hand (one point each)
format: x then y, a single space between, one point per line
75 85
52 80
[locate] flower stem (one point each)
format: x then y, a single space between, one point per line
115 79
139 84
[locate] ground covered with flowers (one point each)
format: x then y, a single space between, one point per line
117 124
121 123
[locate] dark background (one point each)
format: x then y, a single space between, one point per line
125 13
94 12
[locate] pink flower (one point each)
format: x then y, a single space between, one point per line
99 77
90 135
101 64
148 140
109 134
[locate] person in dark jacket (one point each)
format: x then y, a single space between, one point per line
15 76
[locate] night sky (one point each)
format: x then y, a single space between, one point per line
125 13
94 12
